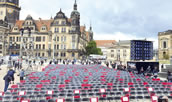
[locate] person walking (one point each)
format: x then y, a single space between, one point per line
169 76
142 72
8 78
155 72
107 64
22 74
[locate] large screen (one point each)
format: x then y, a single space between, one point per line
141 50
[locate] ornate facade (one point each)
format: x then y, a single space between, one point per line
9 11
165 45
3 37
59 37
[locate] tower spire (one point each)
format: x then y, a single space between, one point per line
90 26
75 5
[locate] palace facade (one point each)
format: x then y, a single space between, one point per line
58 37
165 45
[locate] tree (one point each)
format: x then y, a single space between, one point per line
91 48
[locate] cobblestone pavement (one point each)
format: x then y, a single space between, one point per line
4 70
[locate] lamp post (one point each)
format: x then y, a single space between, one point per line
21 41
53 47
10 61
25 43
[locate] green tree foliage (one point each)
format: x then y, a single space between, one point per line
91 48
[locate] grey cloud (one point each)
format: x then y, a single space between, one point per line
143 18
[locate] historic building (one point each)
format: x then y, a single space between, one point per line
104 45
165 45
130 50
59 37
3 37
120 51
9 11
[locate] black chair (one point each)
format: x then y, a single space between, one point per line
42 100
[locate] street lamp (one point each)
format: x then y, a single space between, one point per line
26 42
21 41
10 61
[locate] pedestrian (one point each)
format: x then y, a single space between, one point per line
63 62
22 74
155 72
107 64
50 62
142 71
162 66
8 78
34 61
169 76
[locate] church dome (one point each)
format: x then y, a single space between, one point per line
29 17
60 14
75 13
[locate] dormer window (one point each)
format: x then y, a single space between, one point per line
63 22
28 23
57 22
15 28
44 28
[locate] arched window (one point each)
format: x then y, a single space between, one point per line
164 44
164 54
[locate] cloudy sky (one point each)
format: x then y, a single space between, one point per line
111 19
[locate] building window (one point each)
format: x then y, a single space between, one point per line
57 38
44 38
61 46
57 22
57 46
39 54
11 39
112 50
39 46
43 47
17 39
43 28
15 28
30 46
64 46
38 39
36 46
63 54
112 55
14 39
164 54
64 38
73 54
0 46
63 30
164 44
56 30
57 54
63 22
54 46
43 54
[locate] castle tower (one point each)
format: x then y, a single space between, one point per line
75 17
9 11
